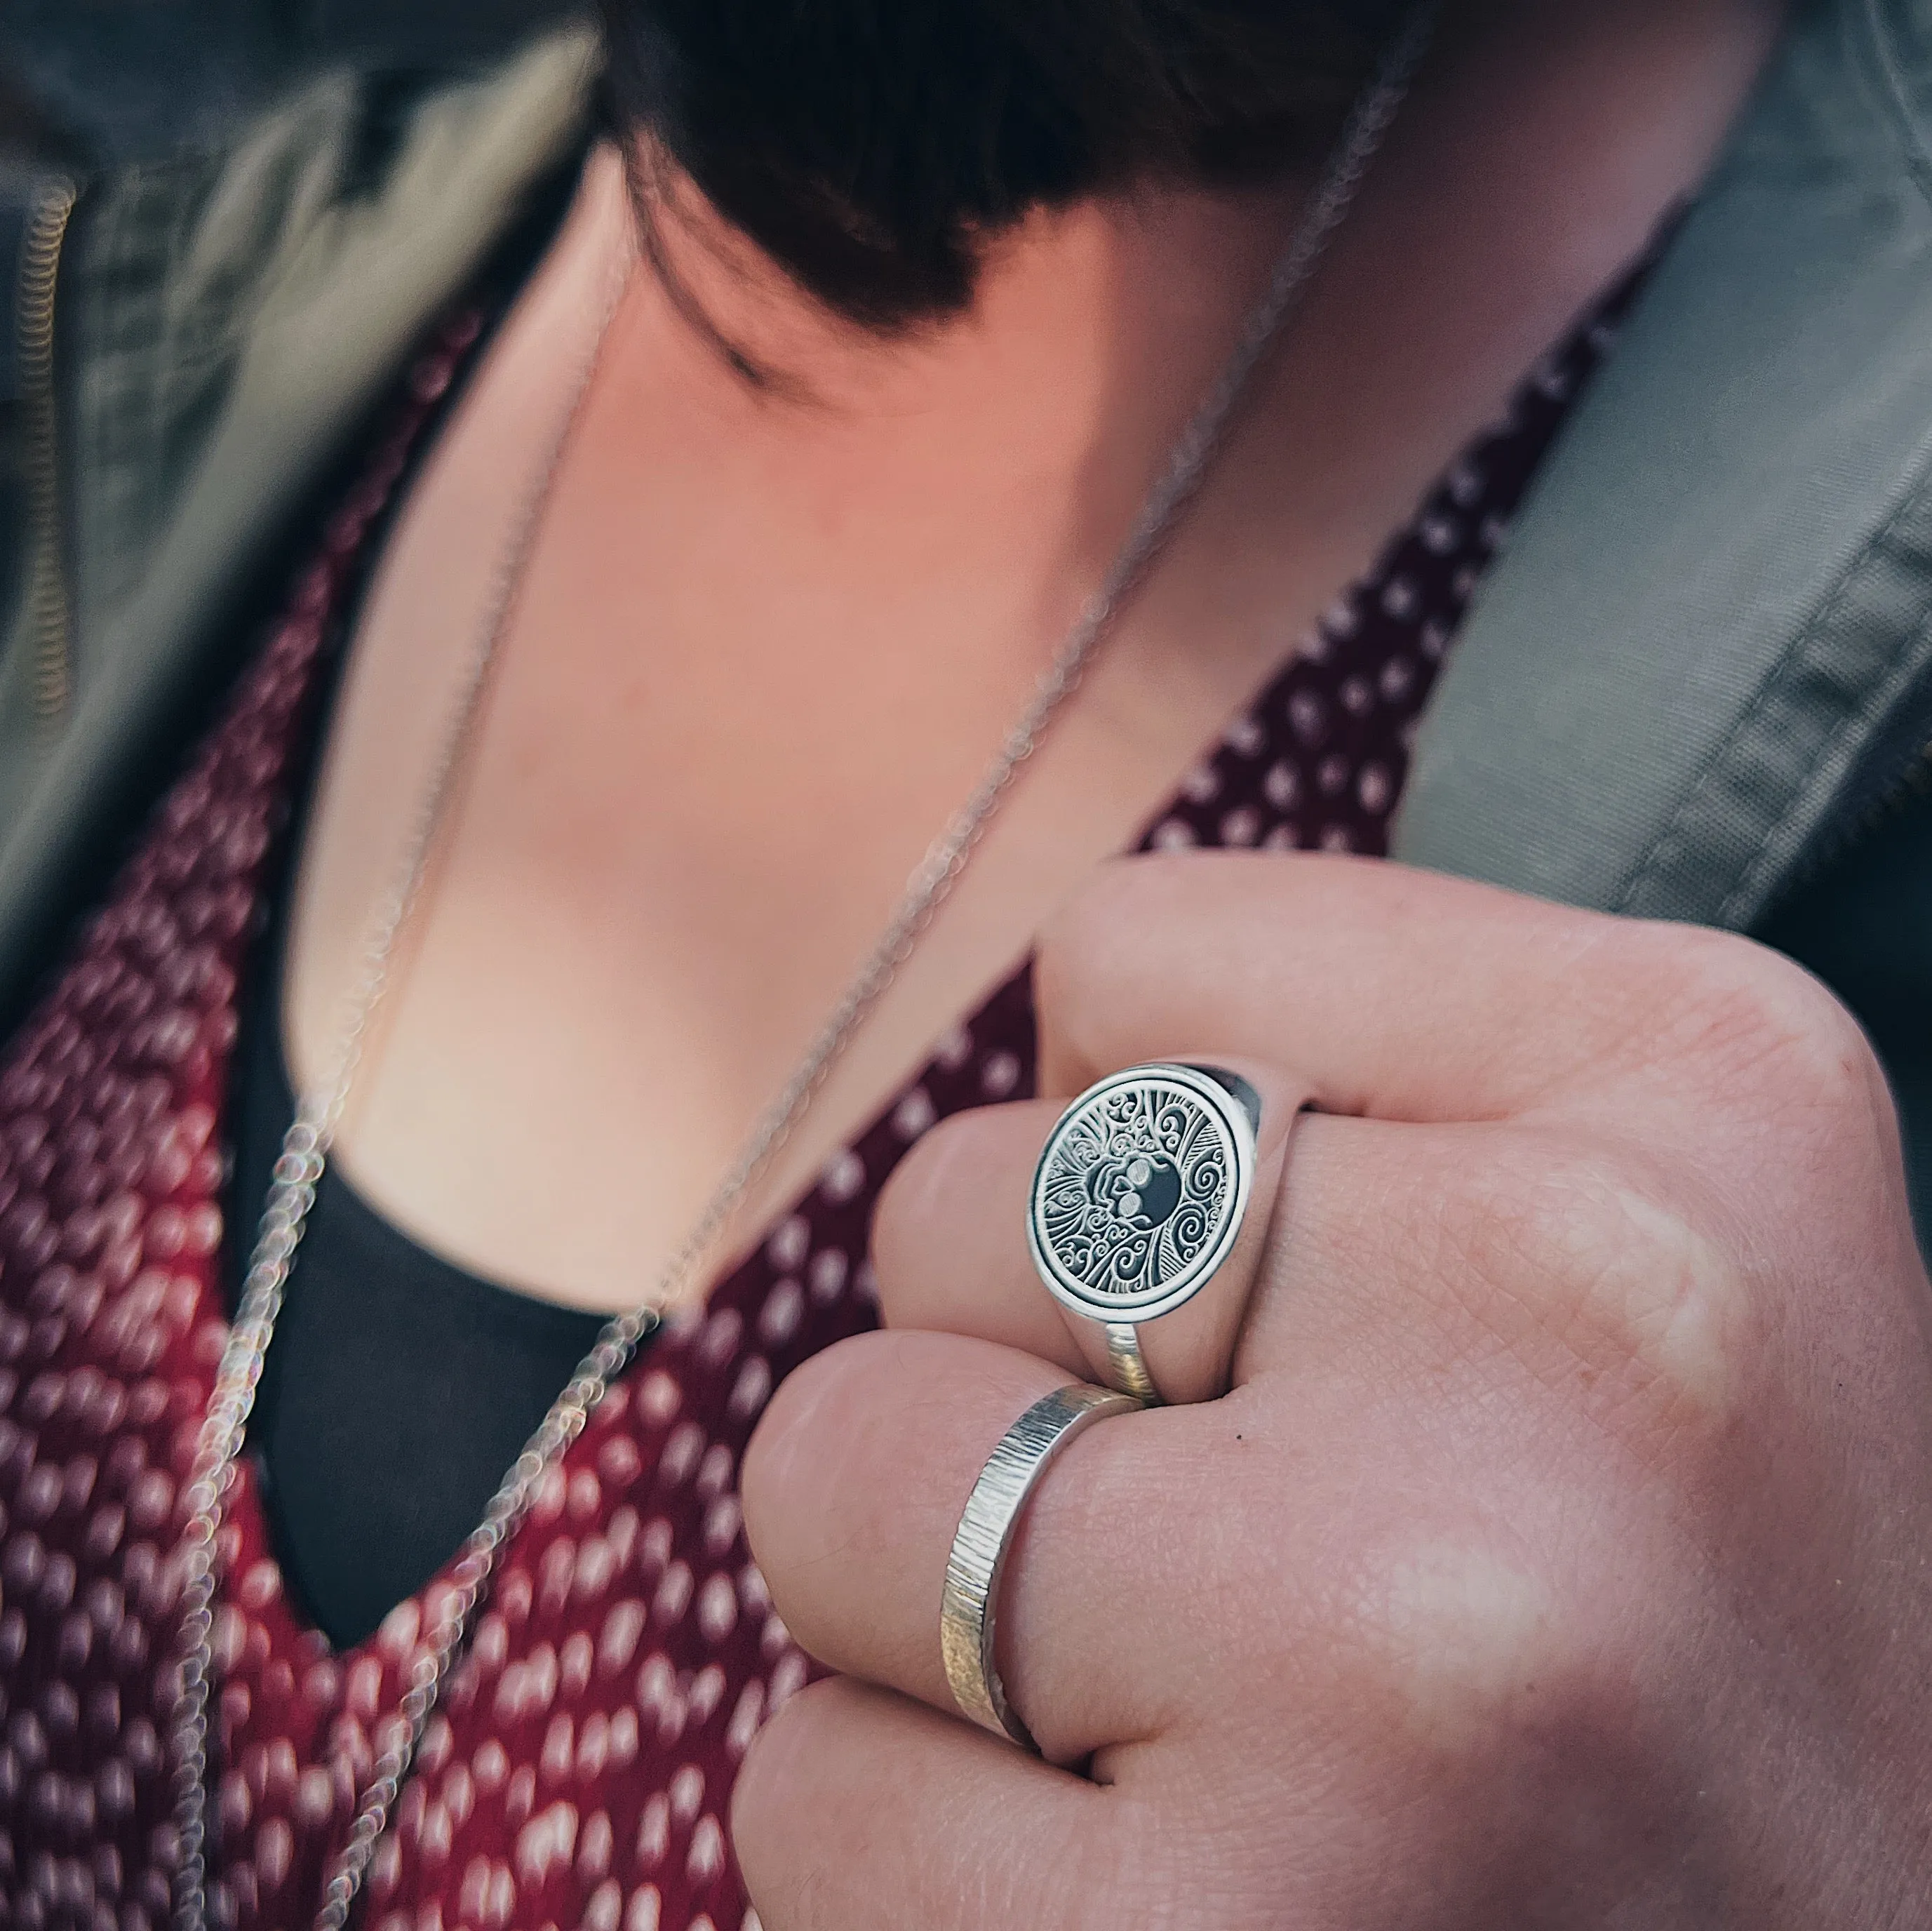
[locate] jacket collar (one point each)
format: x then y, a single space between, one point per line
231 318
1712 631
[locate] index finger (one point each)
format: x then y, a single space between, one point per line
1399 994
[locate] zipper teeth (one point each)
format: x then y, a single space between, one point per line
49 615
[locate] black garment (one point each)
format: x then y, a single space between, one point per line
1863 925
399 1389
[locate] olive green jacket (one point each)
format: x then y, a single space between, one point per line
1698 685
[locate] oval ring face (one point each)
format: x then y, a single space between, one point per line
1140 1192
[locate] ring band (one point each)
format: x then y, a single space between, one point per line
970 1605
1126 1366
1138 1197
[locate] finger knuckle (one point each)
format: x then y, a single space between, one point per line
1513 1692
1764 1033
909 1203
1117 887
1099 936
1464 1642
798 1448
768 1790
1080 938
1592 1279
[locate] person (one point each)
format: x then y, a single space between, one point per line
595 556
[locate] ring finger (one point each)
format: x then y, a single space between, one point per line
853 1486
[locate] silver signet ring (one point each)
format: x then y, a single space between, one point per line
1138 1197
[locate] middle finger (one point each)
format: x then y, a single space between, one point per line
949 1247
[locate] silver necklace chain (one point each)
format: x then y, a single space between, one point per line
305 1147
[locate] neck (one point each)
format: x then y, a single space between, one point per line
769 638
1029 425
1094 332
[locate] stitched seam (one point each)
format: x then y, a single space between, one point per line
1744 897
1648 867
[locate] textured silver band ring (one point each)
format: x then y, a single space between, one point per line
969 1606
1138 1197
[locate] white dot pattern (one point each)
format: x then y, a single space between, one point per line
579 1772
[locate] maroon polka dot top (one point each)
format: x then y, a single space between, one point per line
578 1773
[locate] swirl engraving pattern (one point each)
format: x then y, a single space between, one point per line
1136 1186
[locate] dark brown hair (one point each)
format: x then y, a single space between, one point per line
872 148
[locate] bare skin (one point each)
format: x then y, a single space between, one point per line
1555 1558
1542 1544
764 645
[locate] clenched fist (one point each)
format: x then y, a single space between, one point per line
1543 1530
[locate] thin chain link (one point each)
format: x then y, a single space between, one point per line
297 1171
305 1147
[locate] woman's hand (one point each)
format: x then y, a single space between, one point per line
1562 1553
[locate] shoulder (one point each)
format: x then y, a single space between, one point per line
1721 589
1851 90
1894 38
245 273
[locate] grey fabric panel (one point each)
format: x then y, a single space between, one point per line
137 83
242 328
176 261
1716 604
1864 927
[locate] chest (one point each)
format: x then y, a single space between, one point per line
581 1769
722 725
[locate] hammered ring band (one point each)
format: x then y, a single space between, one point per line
970 1603
1138 1198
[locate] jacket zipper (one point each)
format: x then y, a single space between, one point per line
50 614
